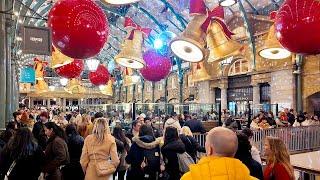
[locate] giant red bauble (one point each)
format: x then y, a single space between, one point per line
298 25
100 76
157 66
79 28
71 70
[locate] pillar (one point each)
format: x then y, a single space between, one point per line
224 99
48 104
299 107
153 91
64 104
8 85
204 92
213 95
256 95
3 61
31 103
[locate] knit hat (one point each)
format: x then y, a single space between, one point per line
172 123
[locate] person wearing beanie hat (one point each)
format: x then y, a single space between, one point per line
172 123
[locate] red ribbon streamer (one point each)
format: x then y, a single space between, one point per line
128 23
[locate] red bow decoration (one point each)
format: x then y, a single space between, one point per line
130 25
198 7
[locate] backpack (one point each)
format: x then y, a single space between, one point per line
151 160
184 160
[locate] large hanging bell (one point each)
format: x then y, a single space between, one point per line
189 46
219 44
58 59
127 80
131 52
41 87
74 87
272 48
107 89
200 72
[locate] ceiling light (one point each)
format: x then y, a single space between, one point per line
187 51
92 64
275 53
16 13
20 21
64 81
119 2
226 3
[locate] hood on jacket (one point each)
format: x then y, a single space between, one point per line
146 142
176 146
218 168
172 123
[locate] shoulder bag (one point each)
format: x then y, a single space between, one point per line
103 168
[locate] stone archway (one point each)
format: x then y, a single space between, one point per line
313 104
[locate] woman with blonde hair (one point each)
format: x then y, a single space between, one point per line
97 150
85 126
278 160
191 144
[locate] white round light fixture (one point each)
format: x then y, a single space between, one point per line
187 51
275 53
119 2
226 3
92 64
64 81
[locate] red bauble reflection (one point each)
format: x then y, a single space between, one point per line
79 28
298 25
100 76
157 66
71 70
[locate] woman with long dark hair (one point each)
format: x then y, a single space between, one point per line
172 146
144 155
244 155
123 147
20 152
56 152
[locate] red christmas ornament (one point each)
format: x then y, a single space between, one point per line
157 66
298 25
79 28
100 76
71 70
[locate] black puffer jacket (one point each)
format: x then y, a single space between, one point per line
192 146
169 152
136 155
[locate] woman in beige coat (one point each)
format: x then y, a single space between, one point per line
98 147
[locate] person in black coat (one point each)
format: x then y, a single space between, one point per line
26 153
138 155
195 125
75 143
7 134
244 155
191 144
38 130
172 146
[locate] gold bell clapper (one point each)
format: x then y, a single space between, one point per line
219 44
189 46
272 48
131 52
41 87
200 72
74 87
58 59
107 89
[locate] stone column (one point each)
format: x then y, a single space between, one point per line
256 96
204 92
48 104
224 99
64 102
3 62
213 95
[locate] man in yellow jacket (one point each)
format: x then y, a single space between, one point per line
221 146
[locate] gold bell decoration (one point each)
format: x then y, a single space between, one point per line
39 66
58 59
41 87
200 72
272 48
219 44
128 80
107 89
131 52
189 46
74 87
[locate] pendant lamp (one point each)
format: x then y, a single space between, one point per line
92 64
227 3
272 48
120 2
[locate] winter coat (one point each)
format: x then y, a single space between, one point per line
56 156
122 154
73 170
38 133
278 172
254 167
94 152
136 155
192 146
195 126
255 153
218 168
28 168
169 152
172 123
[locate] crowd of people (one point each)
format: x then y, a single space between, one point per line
54 146
287 118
